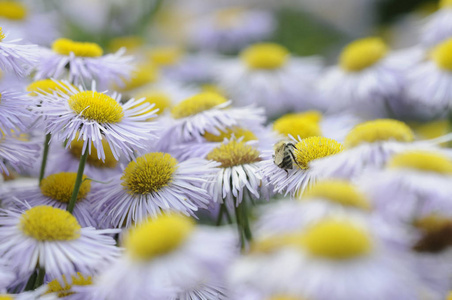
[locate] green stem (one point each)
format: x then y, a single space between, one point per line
239 226
78 180
40 277
31 282
44 157
220 215
246 223
228 215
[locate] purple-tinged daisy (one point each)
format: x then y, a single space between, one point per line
415 184
238 176
15 57
206 112
230 29
438 26
17 153
151 184
56 190
13 112
266 75
85 62
369 145
78 114
51 238
301 172
167 257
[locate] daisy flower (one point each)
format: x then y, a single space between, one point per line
95 168
206 112
370 145
230 29
85 62
153 183
166 256
414 184
438 26
51 238
332 256
268 76
72 290
17 152
56 190
429 83
91 116
364 80
305 153
15 57
14 112
314 123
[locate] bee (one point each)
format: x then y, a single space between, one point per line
284 157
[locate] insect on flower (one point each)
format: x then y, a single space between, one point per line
284 157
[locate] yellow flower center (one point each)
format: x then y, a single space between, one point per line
362 54
165 56
131 43
212 88
442 55
234 154
142 76
235 131
149 173
81 49
265 56
60 186
336 240
341 192
379 131
445 3
6 297
92 159
12 10
315 147
196 104
46 223
2 36
156 237
431 130
96 106
302 124
432 223
422 161
63 291
161 100
47 86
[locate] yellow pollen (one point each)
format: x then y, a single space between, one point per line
431 130
336 240
422 161
157 237
212 88
92 159
131 43
48 86
315 147
233 154
6 297
60 186
265 56
341 192
46 223
2 36
445 4
378 131
449 297
196 104
149 173
362 54
442 55
302 125
96 106
432 223
161 100
165 56
81 49
235 131
63 291
142 76
12 10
